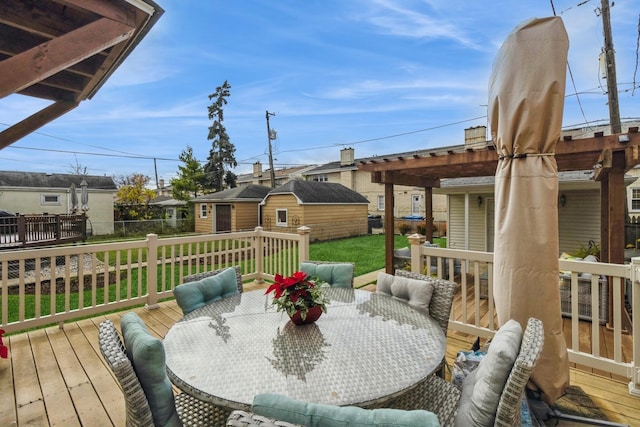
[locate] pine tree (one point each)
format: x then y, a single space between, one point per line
191 177
222 153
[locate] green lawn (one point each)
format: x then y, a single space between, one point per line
366 252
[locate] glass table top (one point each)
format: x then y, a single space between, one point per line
367 348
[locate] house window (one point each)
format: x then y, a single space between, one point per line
49 199
635 199
380 203
281 217
203 210
321 178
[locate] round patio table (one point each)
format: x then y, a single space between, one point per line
366 350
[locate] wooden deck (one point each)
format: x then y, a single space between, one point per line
57 377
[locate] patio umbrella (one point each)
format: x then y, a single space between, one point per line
526 99
84 195
74 198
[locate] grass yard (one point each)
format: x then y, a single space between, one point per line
366 252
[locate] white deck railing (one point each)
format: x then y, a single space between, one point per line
52 285
584 298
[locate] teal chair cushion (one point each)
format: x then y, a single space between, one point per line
338 275
148 359
192 295
294 411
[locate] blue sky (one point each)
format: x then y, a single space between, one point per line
381 76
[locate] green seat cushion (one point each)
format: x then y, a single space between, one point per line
337 275
295 411
417 293
146 353
482 388
192 295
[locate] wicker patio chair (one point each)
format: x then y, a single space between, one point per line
341 276
193 293
443 398
440 304
191 411
199 276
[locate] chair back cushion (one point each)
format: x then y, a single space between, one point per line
146 353
294 411
441 299
337 275
192 295
482 388
198 276
138 411
417 293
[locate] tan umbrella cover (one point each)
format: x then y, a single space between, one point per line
526 99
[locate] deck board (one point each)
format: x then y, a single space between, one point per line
58 376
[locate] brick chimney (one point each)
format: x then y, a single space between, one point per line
257 169
475 135
347 157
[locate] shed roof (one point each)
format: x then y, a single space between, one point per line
320 192
15 179
247 193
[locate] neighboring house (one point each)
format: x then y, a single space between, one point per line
38 193
409 201
173 210
330 209
260 177
235 209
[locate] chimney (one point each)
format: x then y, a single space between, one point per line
161 184
475 135
257 169
346 157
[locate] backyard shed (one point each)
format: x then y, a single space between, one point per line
235 209
331 210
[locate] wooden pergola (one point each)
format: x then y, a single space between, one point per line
609 156
64 50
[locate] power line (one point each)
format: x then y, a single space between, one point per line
92 154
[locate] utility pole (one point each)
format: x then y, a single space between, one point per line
269 137
610 63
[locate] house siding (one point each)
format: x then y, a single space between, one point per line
327 221
244 216
579 219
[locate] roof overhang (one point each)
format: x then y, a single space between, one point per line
63 51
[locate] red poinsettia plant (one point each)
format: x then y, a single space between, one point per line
4 351
298 292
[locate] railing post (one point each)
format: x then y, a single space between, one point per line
415 240
259 254
303 249
634 384
152 271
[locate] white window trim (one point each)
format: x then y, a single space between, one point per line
280 223
43 202
380 205
203 210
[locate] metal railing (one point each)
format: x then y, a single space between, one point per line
589 291
51 285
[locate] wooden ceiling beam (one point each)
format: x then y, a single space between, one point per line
45 60
35 121
404 179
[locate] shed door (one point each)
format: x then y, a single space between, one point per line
222 218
